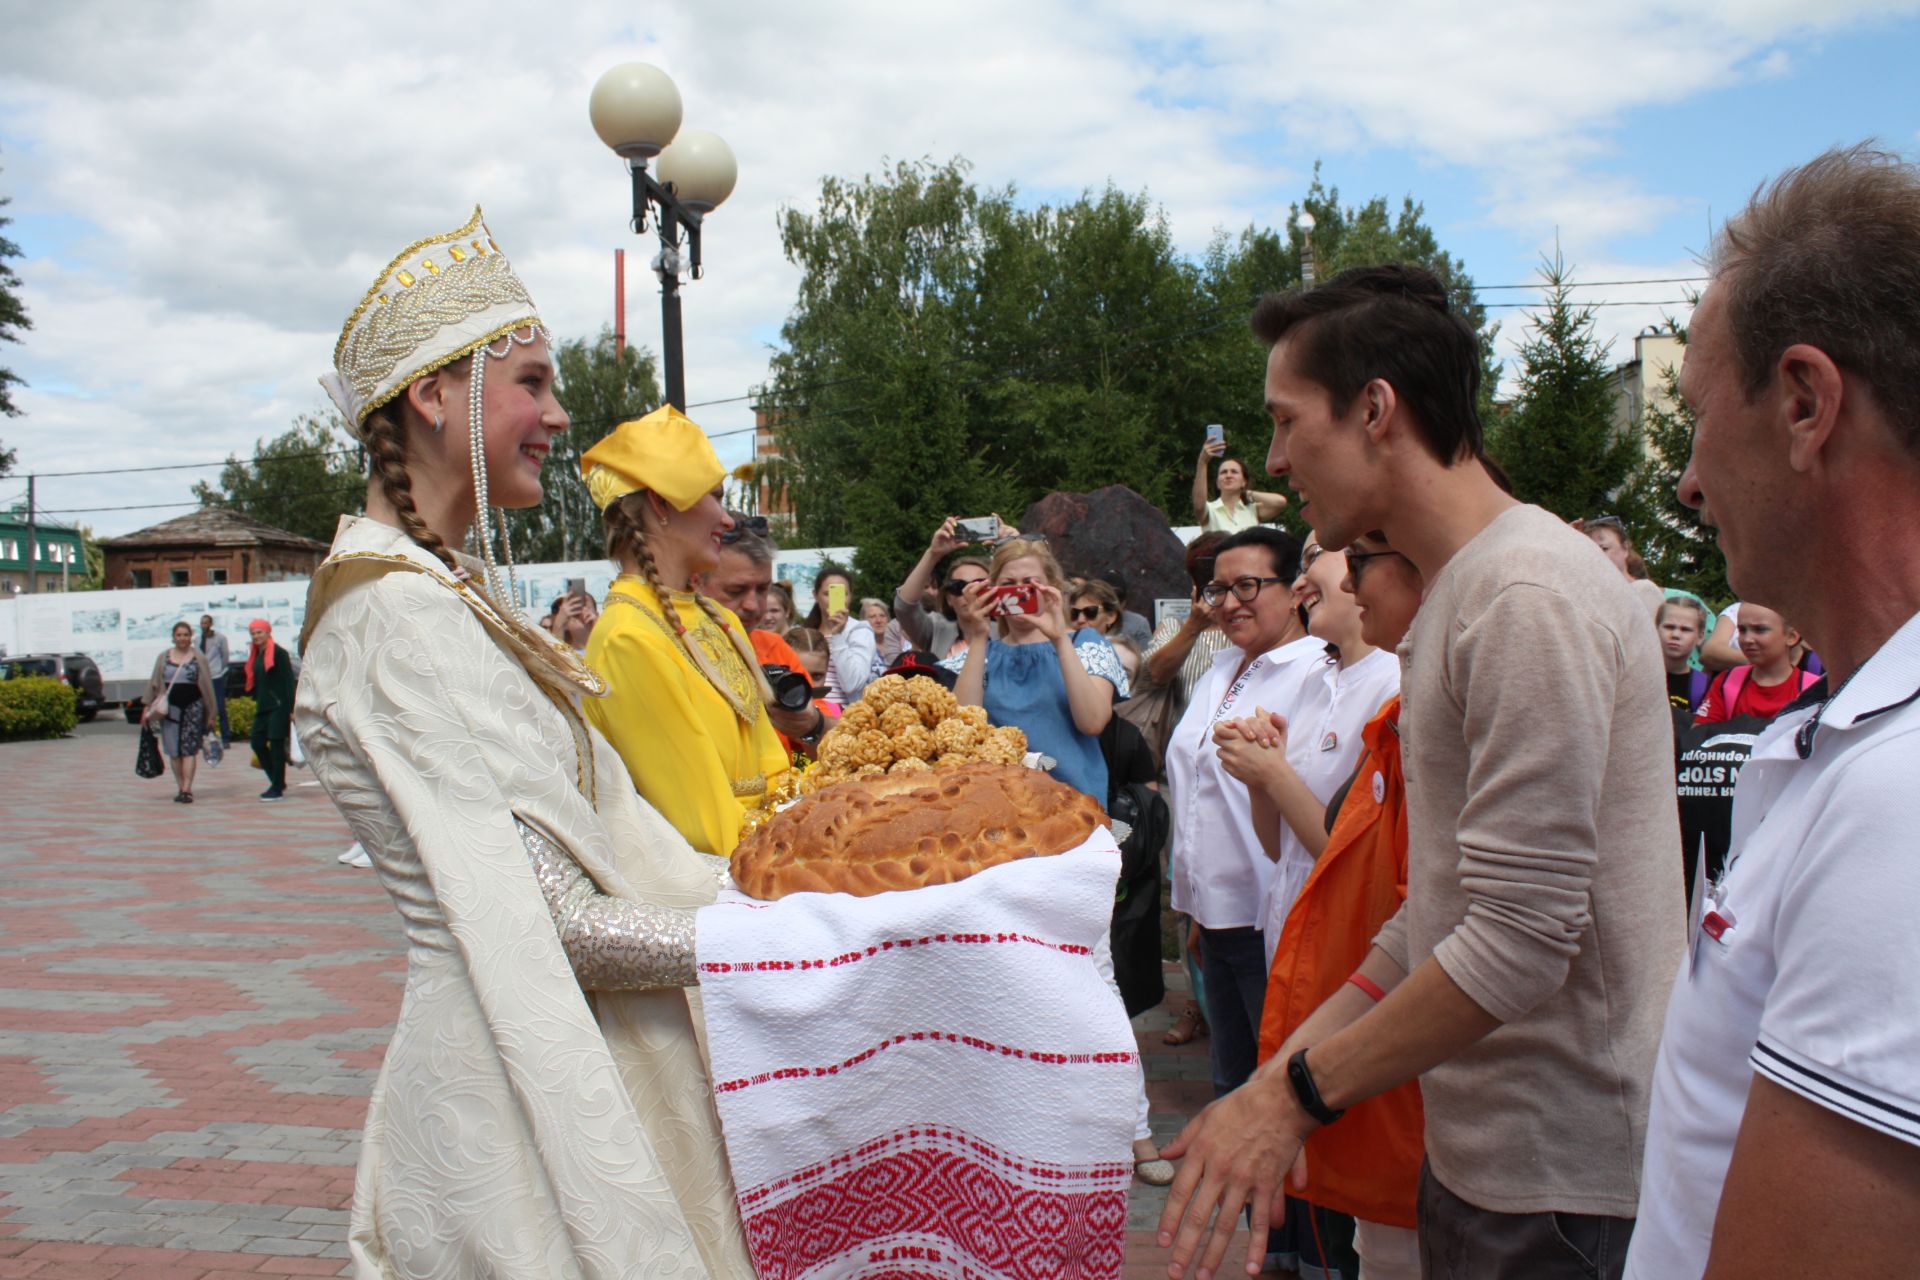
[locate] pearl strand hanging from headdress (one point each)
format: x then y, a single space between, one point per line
509 598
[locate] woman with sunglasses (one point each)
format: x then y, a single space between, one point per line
930 624
1368 1165
1219 867
1094 605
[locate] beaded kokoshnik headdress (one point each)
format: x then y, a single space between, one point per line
441 298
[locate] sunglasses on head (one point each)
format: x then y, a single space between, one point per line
744 525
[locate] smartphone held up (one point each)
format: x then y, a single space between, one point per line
1015 597
977 529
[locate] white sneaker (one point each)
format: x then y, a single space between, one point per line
355 857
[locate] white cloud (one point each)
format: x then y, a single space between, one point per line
234 174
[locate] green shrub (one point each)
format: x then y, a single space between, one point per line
36 707
240 718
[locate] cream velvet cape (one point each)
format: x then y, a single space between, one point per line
519 1127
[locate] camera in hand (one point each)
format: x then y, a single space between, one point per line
1016 597
791 689
977 529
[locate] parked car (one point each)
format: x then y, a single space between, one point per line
77 669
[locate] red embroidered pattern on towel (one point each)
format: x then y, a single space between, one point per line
1038 1174
939 1037
966 1218
895 944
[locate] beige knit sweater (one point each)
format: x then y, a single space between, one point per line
1543 863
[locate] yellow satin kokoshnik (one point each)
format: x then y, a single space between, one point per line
706 757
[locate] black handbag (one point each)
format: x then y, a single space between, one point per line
148 763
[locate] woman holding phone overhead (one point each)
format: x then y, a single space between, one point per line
1238 507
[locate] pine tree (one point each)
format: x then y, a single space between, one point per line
13 318
1561 443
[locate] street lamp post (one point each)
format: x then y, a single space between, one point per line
635 109
1304 221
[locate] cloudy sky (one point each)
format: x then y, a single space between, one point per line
203 188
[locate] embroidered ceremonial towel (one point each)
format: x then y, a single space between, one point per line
930 1083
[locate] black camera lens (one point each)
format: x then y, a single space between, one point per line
791 689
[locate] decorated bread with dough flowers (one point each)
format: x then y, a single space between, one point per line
908 830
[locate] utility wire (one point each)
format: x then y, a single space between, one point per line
1023 370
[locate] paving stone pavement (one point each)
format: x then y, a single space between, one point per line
194 1003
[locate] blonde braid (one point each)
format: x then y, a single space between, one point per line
387 455
625 534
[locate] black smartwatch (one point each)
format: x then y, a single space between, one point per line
1307 1092
812 736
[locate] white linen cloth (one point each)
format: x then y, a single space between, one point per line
936 1082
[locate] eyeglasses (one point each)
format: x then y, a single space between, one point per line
1087 614
1357 562
742 526
1245 590
956 585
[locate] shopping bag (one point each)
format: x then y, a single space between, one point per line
148 763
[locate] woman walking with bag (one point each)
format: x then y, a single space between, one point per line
178 696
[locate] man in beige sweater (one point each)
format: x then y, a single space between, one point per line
1525 979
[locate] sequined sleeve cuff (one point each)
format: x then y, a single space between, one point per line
613 944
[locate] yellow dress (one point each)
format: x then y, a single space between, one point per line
690 754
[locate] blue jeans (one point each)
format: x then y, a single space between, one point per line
1233 967
220 701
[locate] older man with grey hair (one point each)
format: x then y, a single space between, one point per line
1784 1133
742 581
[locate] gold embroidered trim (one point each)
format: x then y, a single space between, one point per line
754 786
512 326
376 348
373 294
560 663
740 690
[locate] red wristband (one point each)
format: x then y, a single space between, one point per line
1369 986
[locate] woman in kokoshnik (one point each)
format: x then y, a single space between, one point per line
544 1108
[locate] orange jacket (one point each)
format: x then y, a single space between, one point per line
773 651
1367 1164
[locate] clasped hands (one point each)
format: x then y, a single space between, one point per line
1253 750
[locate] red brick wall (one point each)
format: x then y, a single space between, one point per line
243 564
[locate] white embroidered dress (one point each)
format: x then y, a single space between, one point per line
520 1127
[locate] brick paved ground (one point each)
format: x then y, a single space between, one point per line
194 1002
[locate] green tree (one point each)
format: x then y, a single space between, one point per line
1680 551
1562 444
953 353
599 388
13 319
303 480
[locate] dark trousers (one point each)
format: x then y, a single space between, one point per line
1233 967
220 701
272 753
1460 1241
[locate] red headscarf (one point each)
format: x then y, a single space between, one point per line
266 650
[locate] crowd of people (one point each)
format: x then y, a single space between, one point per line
183 711
1493 984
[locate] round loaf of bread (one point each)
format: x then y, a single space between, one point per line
909 830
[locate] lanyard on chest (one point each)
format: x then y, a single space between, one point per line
1233 694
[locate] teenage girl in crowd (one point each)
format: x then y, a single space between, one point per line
851 643
1768 680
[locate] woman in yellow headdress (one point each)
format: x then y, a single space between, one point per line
686 706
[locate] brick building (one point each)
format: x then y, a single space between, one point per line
209 546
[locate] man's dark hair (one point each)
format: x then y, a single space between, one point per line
1118 581
1282 548
1393 323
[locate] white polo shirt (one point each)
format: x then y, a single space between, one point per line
1220 871
1814 978
1330 708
